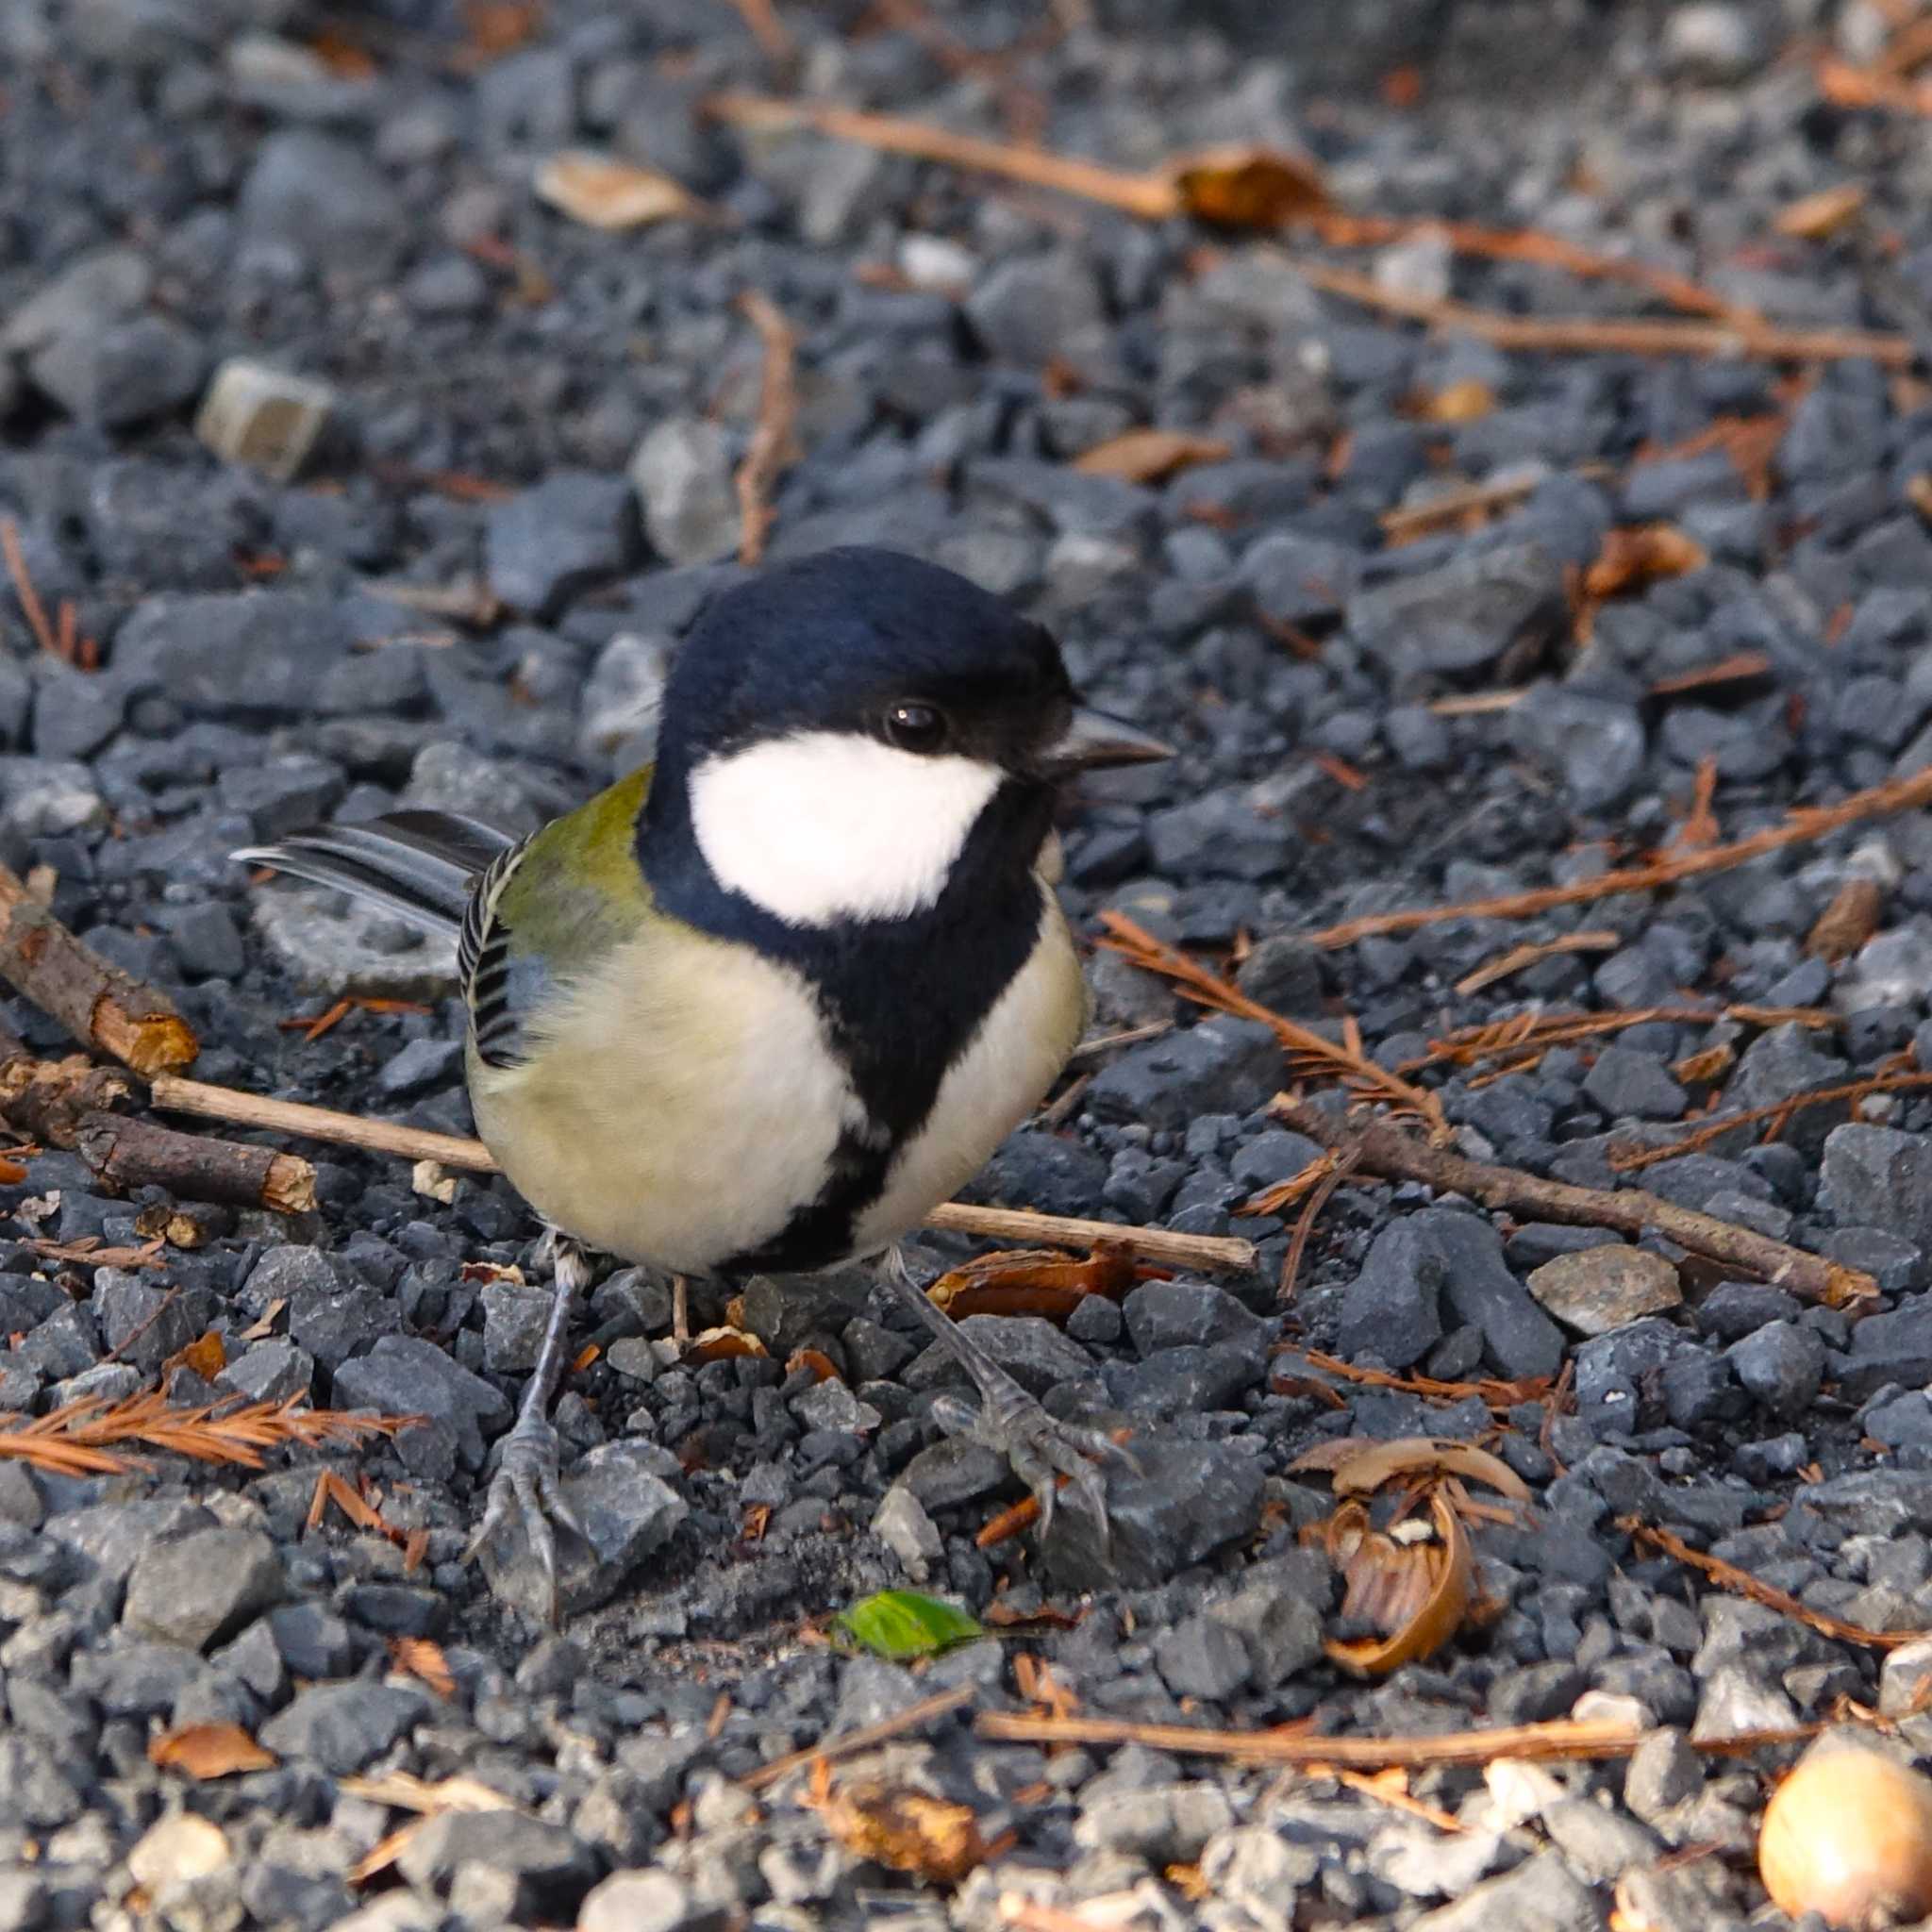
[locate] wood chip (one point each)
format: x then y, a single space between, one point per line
604 192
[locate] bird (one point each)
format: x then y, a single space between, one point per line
759 1007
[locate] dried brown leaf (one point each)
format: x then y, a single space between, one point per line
1848 921
904 1829
1365 1472
1468 401
1037 1281
1632 559
1417 1593
1149 456
822 1365
722 1344
207 1355
209 1751
422 1658
1247 186
604 192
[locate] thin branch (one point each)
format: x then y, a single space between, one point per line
915 1717
1340 1167
1728 1577
1221 1252
771 444
1595 335
1519 958
129 1154
1396 1156
1799 827
1307 1048
1560 1738
100 1005
1630 1159
31 608
769 31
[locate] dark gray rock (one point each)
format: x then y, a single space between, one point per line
1025 310
1028 1347
1221 1066
1595 744
117 374
1284 971
1187 1500
202 1588
1436 1264
1628 1083
1879 1177
620 1495
403 1375
550 1868
342 1726
1170 1314
548 544
260 654
1203 1657
1781 1365
320 196
1463 615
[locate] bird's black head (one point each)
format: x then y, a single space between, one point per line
837 729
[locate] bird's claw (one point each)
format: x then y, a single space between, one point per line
528 1485
1051 1458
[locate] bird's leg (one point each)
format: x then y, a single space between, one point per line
680 1311
1041 1448
527 1482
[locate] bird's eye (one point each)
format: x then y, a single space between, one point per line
915 727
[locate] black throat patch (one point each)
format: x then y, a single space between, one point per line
902 998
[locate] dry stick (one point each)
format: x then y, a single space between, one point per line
1519 958
101 1005
1318 1199
772 446
768 30
1593 336
1728 1577
47 1100
1799 827
1160 194
31 608
128 1154
914 1717
1400 1157
1221 1254
1627 1160
1560 1738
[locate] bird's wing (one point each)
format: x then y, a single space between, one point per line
546 911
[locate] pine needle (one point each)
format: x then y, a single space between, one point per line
1309 1053
89 1437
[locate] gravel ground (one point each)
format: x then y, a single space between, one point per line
519 496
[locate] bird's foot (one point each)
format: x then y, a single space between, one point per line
527 1489
1058 1462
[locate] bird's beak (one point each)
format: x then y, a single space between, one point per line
1092 741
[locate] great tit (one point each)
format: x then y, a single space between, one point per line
761 1008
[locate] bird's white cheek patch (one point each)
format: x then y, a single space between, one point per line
828 825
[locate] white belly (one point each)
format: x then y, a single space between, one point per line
678 1113
683 1107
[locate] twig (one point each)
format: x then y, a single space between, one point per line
1396 1156
128 1154
1728 1577
1218 1253
1519 958
47 1100
97 1003
1798 828
1531 1033
1153 197
1495 1394
1342 1166
914 1717
1222 1254
1304 1046
1451 507
30 606
1533 245
772 446
768 30
1629 1159
140 1328
1595 335
1560 1738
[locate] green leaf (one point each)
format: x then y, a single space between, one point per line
901 1624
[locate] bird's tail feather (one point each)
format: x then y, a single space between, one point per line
421 865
